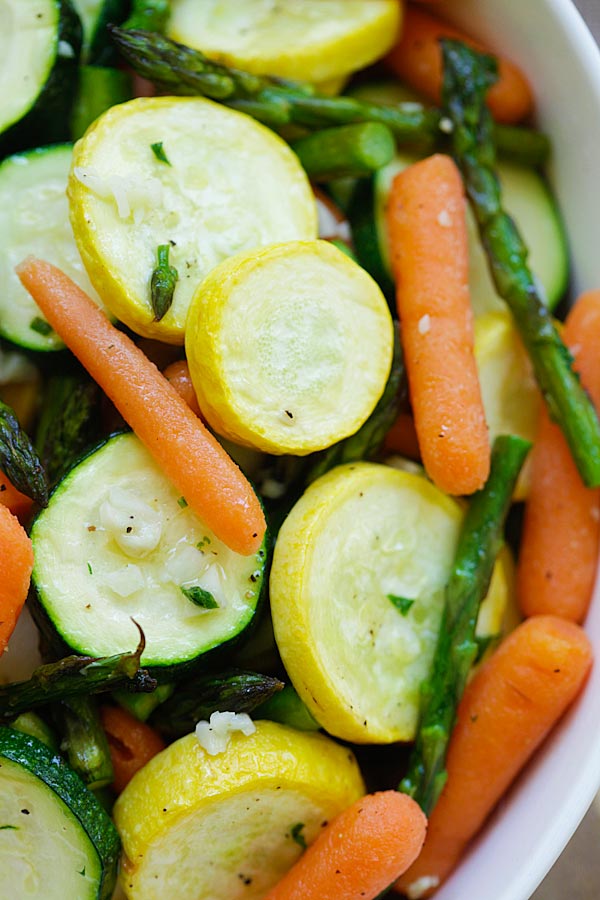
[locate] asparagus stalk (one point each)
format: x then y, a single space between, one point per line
162 284
277 102
231 691
68 424
75 676
479 541
468 75
367 441
84 741
349 151
18 459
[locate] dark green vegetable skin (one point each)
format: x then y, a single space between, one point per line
277 102
48 119
75 676
69 422
467 77
50 768
18 459
100 87
479 542
149 15
232 690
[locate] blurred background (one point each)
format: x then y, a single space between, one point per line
576 875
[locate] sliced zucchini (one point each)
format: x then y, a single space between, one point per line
117 543
34 218
95 15
56 841
511 397
528 200
229 185
315 40
41 42
226 826
289 348
357 590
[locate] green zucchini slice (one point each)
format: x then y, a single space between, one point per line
117 543
56 841
41 42
34 219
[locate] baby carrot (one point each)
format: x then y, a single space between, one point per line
506 712
360 853
178 374
561 532
131 743
18 503
189 455
428 237
417 60
16 564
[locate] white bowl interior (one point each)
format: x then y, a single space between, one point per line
533 824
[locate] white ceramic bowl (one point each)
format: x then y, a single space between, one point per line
533 824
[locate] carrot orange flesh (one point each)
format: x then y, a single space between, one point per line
178 374
131 743
16 565
428 238
561 534
18 503
505 713
417 60
360 853
192 459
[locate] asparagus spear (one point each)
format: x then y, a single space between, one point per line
84 741
286 707
231 691
143 705
370 436
479 541
162 284
349 151
18 459
75 676
68 424
277 102
468 75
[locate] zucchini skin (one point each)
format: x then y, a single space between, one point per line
56 645
48 120
50 768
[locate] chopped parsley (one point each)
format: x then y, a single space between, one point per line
9 827
90 570
296 834
41 326
182 502
402 604
159 153
200 597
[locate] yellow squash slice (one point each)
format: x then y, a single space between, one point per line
307 40
289 348
229 185
357 589
226 826
511 398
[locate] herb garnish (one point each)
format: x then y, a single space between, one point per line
159 152
402 604
200 597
